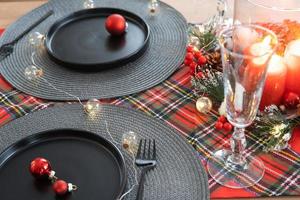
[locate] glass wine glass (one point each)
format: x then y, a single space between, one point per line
246 51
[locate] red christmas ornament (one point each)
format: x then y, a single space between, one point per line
291 100
40 167
60 187
116 24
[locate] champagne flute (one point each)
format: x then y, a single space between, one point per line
246 51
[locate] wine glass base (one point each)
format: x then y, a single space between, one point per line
235 176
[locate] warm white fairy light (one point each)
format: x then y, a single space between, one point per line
36 39
33 73
153 6
132 155
92 107
130 141
89 4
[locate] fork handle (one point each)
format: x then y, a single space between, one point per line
140 191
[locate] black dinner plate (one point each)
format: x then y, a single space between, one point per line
80 40
85 159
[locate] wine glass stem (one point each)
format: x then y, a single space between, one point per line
238 145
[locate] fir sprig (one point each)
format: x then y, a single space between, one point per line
211 83
274 128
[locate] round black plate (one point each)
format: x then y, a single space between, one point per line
80 40
91 162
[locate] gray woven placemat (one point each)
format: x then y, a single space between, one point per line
168 37
179 174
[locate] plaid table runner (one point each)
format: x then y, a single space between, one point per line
173 101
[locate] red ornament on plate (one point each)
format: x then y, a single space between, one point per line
60 187
116 24
40 167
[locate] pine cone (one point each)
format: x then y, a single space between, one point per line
214 60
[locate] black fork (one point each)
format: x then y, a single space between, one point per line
145 158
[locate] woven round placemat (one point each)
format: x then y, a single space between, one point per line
179 174
165 53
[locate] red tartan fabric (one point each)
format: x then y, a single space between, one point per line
173 101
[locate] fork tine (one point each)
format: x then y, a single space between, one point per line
149 150
144 152
138 154
154 151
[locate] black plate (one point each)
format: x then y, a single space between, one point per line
80 40
79 157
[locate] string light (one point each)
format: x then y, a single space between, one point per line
89 4
153 6
33 73
132 155
36 39
130 141
92 107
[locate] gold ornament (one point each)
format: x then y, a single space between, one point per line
32 73
204 105
92 107
130 141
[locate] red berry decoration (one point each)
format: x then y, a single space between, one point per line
222 119
199 75
116 24
60 187
190 48
187 62
197 55
189 56
193 66
40 167
291 100
219 125
227 127
202 60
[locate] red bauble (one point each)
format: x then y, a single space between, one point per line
60 187
291 100
116 24
40 167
